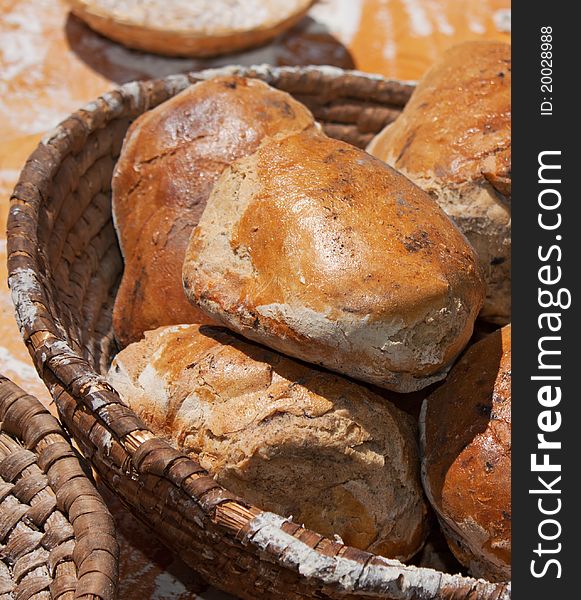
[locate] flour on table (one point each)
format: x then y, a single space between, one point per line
11 365
419 21
342 17
502 20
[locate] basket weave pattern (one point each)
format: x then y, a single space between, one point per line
64 269
57 538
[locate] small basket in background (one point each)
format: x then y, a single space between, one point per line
57 537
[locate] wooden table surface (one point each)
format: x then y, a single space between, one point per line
50 64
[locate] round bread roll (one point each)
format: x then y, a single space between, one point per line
465 432
190 27
171 157
285 436
320 251
453 139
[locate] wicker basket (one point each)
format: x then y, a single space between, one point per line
57 538
64 269
180 40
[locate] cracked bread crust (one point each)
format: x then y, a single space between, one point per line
171 157
453 139
285 436
466 442
322 252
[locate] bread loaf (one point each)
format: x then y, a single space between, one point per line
453 139
322 252
285 436
466 443
171 158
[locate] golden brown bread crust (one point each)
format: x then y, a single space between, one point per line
454 140
466 444
315 248
456 125
285 436
171 158
200 28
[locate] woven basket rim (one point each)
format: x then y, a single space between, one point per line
349 571
26 421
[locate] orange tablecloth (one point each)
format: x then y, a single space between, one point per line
50 64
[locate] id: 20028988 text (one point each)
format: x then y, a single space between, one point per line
546 71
